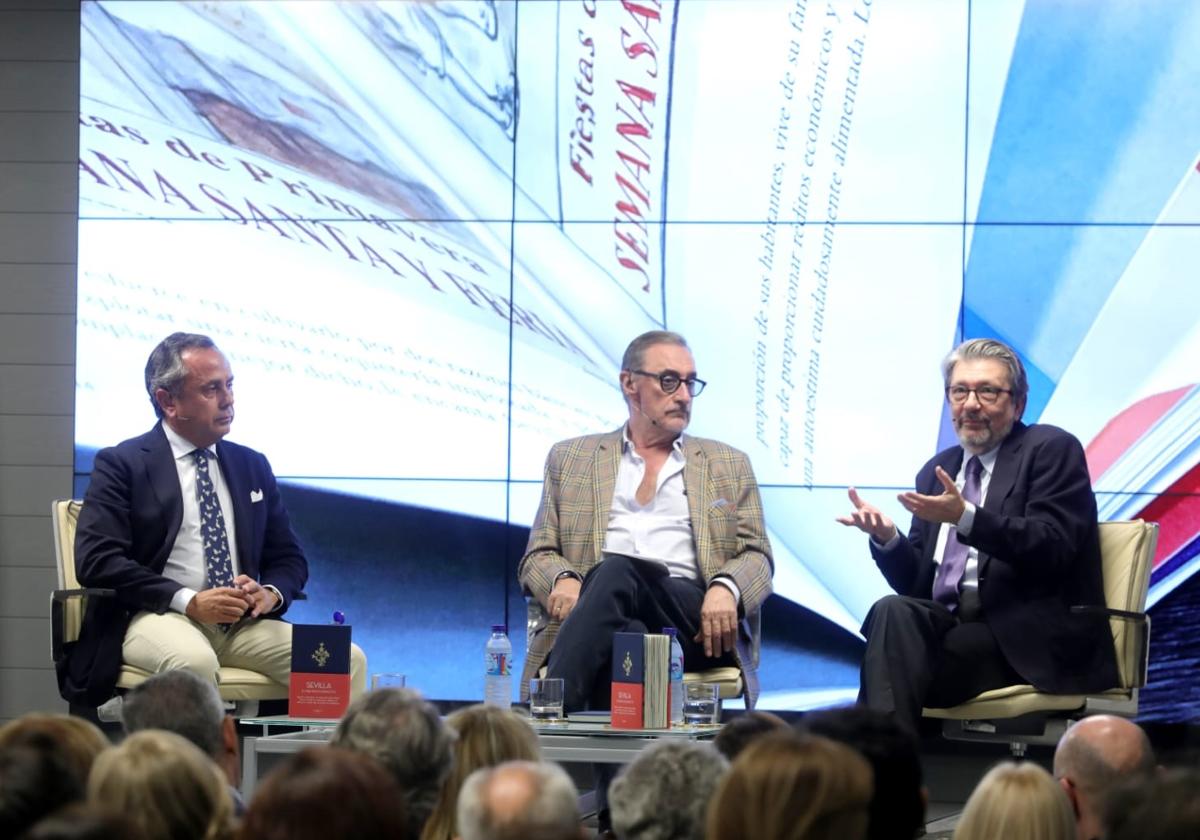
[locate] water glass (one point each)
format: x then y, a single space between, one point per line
387 681
546 699
700 703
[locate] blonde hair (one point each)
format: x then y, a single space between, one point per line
487 736
786 786
76 741
1017 800
164 784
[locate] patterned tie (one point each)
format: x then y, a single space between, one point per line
212 525
954 558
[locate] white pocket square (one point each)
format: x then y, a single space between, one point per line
255 496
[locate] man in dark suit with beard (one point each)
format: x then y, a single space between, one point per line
1003 543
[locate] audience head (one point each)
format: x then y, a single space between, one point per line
664 793
404 733
898 806
33 783
83 822
787 786
1016 800
739 731
164 784
323 793
1162 806
487 736
74 740
519 800
185 703
1092 758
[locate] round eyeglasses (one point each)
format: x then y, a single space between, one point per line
670 381
986 394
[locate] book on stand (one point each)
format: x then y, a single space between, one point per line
641 681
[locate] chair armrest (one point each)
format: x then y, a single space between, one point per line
1109 612
67 594
60 633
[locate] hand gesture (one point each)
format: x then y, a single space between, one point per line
868 519
260 599
946 507
219 605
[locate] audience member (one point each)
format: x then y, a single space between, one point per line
1016 800
162 782
787 786
81 821
327 793
898 806
1162 806
185 703
1093 757
75 740
519 800
739 731
34 782
664 793
404 733
487 736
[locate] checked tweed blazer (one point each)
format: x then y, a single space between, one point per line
572 518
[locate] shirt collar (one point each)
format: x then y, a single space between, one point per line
627 443
181 447
988 459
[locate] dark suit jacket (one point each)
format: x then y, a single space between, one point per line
127 526
1039 555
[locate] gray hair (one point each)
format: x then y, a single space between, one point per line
664 793
546 811
636 351
989 348
403 732
177 701
165 368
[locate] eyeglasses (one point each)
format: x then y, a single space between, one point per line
670 381
986 394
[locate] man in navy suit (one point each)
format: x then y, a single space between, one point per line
1003 543
191 533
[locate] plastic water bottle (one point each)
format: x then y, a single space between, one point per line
497 679
676 677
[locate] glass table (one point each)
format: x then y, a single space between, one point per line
560 741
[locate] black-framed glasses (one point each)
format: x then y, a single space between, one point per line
986 394
670 381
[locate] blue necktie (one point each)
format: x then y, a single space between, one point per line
217 561
954 558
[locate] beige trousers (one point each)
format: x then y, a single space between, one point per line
170 641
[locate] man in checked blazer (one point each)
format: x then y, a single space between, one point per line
646 527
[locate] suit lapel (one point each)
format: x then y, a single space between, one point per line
695 483
1004 472
607 460
239 492
161 473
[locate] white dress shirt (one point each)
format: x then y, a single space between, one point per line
186 564
970 578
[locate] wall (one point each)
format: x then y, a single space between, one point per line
39 99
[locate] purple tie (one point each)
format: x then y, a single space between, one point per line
954 558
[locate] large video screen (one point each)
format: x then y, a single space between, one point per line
424 231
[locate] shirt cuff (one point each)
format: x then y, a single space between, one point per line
889 545
728 583
181 599
963 526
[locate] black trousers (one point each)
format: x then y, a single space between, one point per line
921 654
622 594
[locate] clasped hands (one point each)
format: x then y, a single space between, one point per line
718 613
947 506
227 604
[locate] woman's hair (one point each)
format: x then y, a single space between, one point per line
327 792
487 736
1017 800
165 785
74 740
786 786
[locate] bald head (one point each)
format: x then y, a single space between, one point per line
1093 757
518 799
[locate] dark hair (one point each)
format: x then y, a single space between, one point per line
83 822
178 701
33 783
165 368
898 805
326 792
1164 806
738 732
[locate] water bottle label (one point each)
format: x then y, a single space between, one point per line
676 669
498 665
